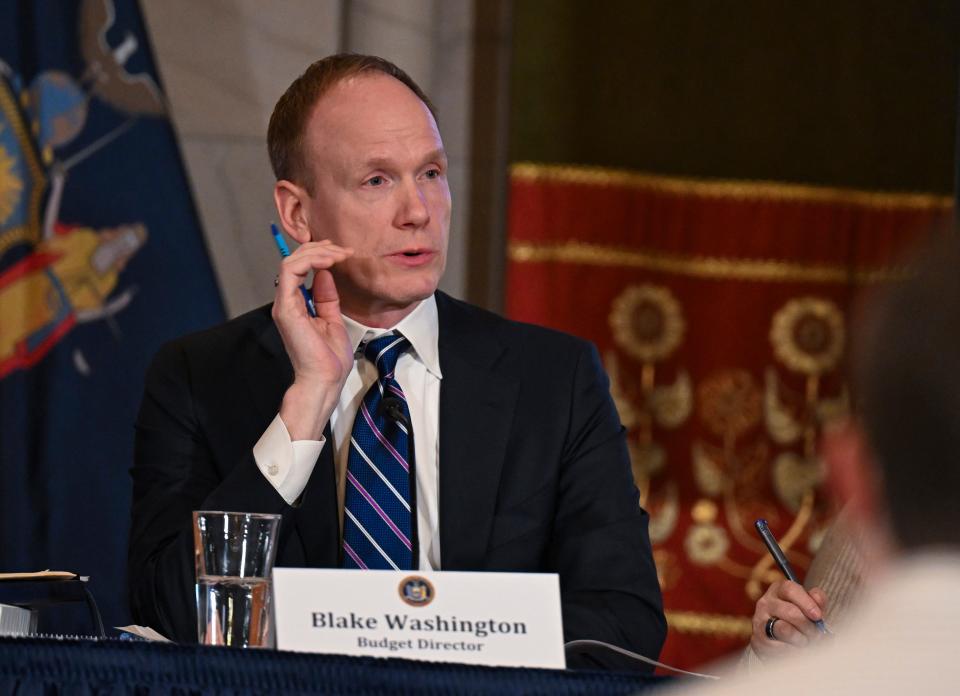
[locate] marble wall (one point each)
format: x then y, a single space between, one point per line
224 63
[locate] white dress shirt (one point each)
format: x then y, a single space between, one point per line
287 465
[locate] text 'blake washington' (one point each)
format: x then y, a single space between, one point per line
404 622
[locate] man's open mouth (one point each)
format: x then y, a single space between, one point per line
412 252
413 257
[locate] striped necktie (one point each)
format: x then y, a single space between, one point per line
377 519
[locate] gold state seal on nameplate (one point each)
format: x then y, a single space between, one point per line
416 591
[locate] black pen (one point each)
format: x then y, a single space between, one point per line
774 548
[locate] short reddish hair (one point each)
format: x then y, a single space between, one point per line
288 121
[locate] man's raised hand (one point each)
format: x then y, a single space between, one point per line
318 348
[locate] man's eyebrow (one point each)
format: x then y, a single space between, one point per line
438 155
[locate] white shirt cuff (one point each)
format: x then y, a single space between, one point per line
286 465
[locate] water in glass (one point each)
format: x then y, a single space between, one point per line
234 611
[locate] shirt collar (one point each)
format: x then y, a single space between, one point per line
421 327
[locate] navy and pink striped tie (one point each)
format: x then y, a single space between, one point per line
377 520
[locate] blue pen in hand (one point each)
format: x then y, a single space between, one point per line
774 548
284 253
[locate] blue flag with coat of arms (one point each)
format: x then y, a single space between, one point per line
101 260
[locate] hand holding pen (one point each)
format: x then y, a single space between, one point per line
787 614
313 334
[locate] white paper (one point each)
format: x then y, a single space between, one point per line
144 632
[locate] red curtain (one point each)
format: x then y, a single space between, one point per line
722 312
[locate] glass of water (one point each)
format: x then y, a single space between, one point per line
234 556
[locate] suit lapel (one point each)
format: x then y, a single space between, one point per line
316 519
267 371
476 409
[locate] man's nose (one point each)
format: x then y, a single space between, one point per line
413 212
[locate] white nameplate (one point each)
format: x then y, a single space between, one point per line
504 619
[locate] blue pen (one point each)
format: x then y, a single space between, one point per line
774 548
284 253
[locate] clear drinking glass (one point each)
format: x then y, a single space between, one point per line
234 556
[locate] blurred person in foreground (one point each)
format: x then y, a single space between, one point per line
520 461
897 469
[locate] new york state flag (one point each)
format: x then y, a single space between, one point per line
101 260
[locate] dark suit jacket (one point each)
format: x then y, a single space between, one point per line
534 471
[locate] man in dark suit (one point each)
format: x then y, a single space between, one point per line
259 413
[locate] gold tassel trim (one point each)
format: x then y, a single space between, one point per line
719 625
713 268
725 188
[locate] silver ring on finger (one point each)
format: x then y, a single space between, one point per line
768 629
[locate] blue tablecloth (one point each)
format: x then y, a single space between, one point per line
41 666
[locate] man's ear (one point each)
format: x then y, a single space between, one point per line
291 201
852 474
